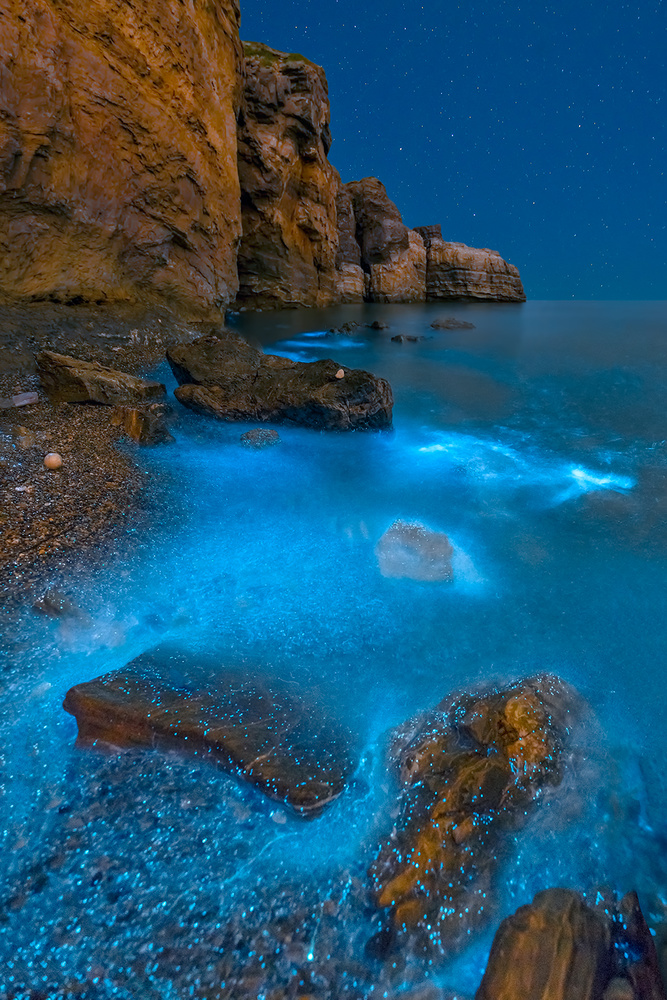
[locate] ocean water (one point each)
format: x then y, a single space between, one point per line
538 442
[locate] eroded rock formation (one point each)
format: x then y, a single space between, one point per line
118 173
288 252
456 271
225 377
392 256
173 700
469 771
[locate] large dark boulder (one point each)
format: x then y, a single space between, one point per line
272 738
69 380
224 377
470 770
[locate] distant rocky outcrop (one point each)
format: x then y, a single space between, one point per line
287 255
456 271
118 174
225 377
392 256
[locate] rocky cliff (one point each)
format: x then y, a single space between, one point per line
118 175
147 156
288 252
456 271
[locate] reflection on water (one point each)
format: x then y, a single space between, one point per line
536 442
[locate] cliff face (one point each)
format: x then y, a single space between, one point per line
456 271
288 252
392 256
118 175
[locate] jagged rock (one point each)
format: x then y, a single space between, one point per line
68 380
634 939
393 256
456 271
350 279
452 324
226 378
118 169
143 424
287 255
470 771
260 437
555 949
272 738
414 551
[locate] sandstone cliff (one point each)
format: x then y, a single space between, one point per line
118 176
288 252
392 256
456 271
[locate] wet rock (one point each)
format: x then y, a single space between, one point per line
68 380
452 324
469 770
118 166
272 738
287 255
378 325
55 604
260 437
635 940
223 376
143 424
413 551
555 949
456 271
402 338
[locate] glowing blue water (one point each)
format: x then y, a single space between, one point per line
537 443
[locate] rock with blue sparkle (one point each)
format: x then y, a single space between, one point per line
223 376
469 772
268 736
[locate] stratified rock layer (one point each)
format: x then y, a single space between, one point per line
392 256
456 271
227 378
118 174
69 380
174 701
469 771
287 255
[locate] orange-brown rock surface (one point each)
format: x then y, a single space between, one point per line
392 256
469 771
288 252
118 174
258 730
456 271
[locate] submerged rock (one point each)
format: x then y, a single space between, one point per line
143 424
260 437
469 770
414 551
69 380
452 324
224 377
270 737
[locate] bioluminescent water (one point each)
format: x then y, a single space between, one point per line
537 443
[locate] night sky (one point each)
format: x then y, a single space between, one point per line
535 129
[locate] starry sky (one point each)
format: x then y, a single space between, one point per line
536 129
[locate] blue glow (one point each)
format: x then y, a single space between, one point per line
157 874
